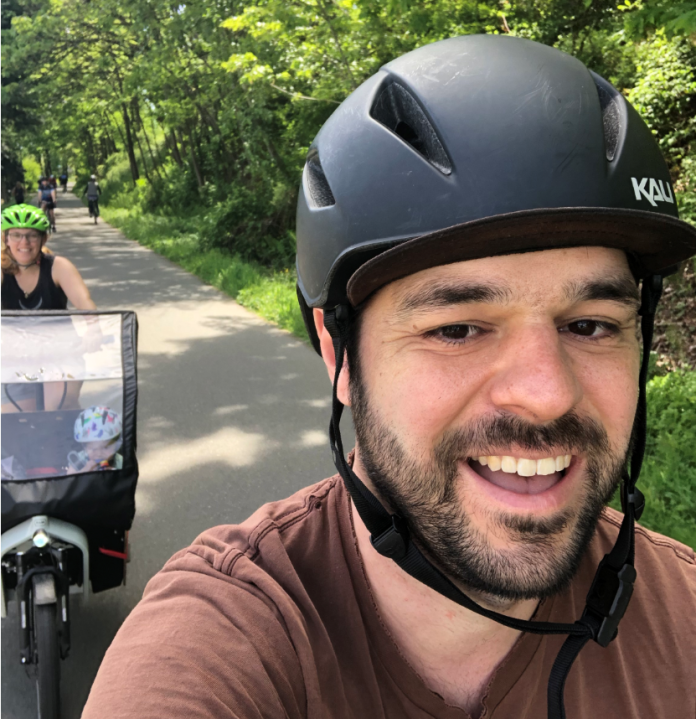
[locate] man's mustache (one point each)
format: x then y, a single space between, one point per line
569 434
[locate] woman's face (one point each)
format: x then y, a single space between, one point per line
24 245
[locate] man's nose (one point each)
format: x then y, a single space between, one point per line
535 376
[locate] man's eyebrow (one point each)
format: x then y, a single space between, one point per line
446 294
616 289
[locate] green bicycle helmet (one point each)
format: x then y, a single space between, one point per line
22 216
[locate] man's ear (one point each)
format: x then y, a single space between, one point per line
329 357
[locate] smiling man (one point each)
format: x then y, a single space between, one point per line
482 231
522 383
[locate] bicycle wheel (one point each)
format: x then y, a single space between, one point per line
48 661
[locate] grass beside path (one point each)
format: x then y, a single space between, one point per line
269 294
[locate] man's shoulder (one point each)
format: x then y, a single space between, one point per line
266 537
666 568
648 542
228 626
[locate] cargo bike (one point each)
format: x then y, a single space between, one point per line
69 473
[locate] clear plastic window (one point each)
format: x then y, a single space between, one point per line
62 395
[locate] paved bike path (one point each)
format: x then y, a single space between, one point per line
232 413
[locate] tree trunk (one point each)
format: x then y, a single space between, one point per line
194 160
129 144
120 132
109 138
270 146
149 148
47 163
91 158
171 139
135 116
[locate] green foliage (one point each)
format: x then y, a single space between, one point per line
665 94
211 107
646 16
32 172
252 222
274 297
685 189
668 476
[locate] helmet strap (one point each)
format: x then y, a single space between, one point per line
612 586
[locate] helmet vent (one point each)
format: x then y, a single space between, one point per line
320 194
398 110
610 101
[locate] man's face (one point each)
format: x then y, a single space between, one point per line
473 387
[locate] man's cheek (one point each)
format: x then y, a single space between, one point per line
618 402
426 400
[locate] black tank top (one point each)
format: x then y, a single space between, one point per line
45 296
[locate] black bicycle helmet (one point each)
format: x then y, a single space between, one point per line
473 147
476 146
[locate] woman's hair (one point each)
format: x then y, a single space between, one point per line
9 266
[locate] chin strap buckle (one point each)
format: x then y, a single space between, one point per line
634 497
637 499
608 600
392 542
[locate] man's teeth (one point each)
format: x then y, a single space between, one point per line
526 467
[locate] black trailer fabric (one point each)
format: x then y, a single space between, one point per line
94 500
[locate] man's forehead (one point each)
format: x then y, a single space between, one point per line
572 275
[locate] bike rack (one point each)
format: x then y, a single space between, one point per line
56 529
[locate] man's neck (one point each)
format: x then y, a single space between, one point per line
454 650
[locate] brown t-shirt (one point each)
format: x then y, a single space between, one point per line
274 618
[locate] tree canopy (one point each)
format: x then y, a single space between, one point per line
209 106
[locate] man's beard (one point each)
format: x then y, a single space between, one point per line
539 561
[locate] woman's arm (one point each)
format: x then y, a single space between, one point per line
66 276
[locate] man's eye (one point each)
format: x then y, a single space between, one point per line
591 328
456 333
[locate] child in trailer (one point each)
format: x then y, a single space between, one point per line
98 430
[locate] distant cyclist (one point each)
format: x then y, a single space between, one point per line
53 182
64 181
93 191
47 201
18 193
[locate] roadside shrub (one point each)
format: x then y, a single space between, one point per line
275 298
665 94
251 222
668 478
32 172
685 189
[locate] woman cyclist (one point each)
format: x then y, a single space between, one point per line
35 279
47 202
32 277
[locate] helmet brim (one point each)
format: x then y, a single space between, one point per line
656 243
